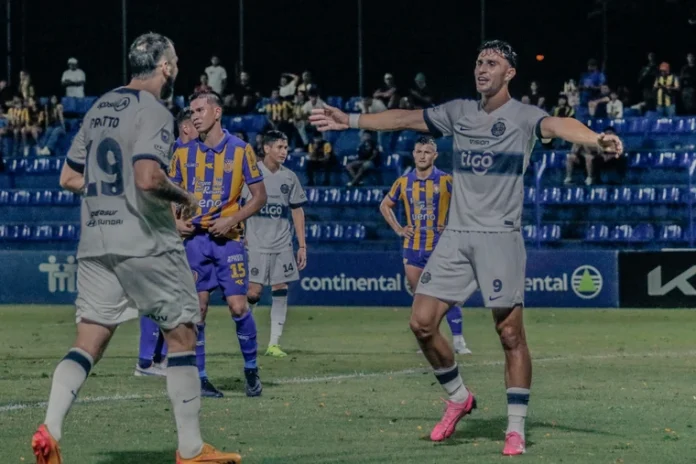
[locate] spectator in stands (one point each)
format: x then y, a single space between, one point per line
420 94
591 82
406 103
370 105
288 86
17 118
203 86
217 75
562 109
526 100
73 80
299 117
536 98
307 83
26 89
279 114
32 126
598 106
687 81
245 93
570 90
230 105
646 81
320 158
388 93
315 102
258 145
592 159
666 88
368 158
53 125
5 96
615 106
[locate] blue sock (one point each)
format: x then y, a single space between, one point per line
200 351
149 330
454 319
246 333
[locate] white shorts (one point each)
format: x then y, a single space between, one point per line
273 268
160 287
495 262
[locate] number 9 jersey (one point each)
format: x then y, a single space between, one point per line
122 127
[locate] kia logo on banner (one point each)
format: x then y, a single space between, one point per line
662 279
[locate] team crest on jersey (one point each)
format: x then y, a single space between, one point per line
498 129
284 189
229 166
436 189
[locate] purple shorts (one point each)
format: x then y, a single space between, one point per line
417 258
218 262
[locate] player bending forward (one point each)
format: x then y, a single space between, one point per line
425 193
482 245
215 169
130 253
269 235
153 350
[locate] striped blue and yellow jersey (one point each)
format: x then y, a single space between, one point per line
215 176
426 204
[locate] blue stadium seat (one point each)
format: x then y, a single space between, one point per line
644 195
84 104
528 232
180 101
337 232
69 104
642 233
65 197
640 160
670 233
66 232
620 195
619 125
326 232
621 233
406 140
555 159
313 195
393 162
21 197
313 232
597 233
358 196
4 197
331 196
42 233
43 197
668 195
16 166
359 232
25 232
10 232
38 166
254 123
667 159
637 125
661 126
551 195
352 104
684 125
598 195
374 196
529 195
336 102
550 233
56 164
573 195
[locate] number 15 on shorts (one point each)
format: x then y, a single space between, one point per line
237 270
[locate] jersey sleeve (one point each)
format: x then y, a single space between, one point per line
297 193
154 134
252 174
175 169
395 191
448 183
532 117
77 155
440 119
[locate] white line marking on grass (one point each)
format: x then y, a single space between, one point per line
366 375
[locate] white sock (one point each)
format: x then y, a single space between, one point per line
453 384
459 339
68 378
518 398
279 312
184 388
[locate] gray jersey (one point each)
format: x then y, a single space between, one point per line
269 230
491 153
123 126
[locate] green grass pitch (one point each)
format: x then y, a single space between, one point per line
615 386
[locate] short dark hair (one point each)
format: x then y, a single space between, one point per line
426 139
145 53
502 47
183 116
212 97
272 136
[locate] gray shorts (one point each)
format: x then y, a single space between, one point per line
110 287
495 262
273 268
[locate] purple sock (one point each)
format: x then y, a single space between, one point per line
246 333
149 330
454 319
200 351
160 349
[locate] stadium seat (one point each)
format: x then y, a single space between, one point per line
670 233
598 195
644 195
16 166
668 195
643 233
331 196
621 233
180 101
4 197
20 198
597 233
619 125
352 104
313 195
358 196
640 160
337 232
69 104
336 102
65 197
393 162
374 196
313 232
620 195
661 126
38 166
667 160
555 159
66 232
573 195
551 195
405 141
43 197
359 232
528 232
326 232
42 233
684 125
637 125
529 195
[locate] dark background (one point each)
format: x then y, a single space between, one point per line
438 37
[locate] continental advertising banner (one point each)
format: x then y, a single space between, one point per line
558 279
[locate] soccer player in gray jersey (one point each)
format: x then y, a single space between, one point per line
130 254
269 235
481 245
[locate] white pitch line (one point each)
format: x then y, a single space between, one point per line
366 375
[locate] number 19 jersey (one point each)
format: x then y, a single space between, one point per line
122 127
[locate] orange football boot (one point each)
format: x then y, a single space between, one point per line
211 456
45 447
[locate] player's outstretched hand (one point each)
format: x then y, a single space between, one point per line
329 118
610 144
222 226
301 258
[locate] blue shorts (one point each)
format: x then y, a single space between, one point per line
417 258
218 263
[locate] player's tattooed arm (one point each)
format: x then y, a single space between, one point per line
572 130
149 177
330 118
